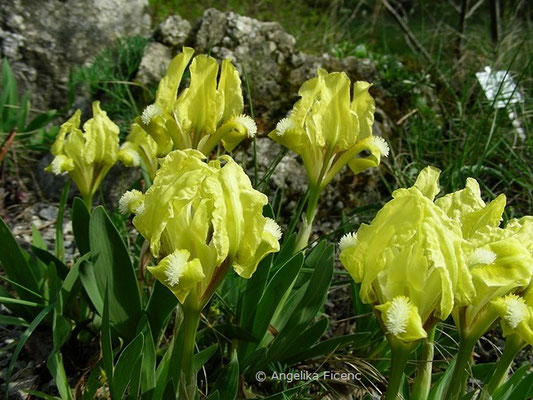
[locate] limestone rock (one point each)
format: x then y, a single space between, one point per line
154 63
260 51
44 40
173 31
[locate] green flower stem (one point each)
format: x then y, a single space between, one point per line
422 381
461 369
307 224
400 355
512 346
189 326
88 201
470 332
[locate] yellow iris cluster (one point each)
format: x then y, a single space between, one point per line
422 259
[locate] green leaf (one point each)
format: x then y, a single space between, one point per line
113 269
22 341
159 308
13 321
37 238
504 391
41 395
52 283
329 346
23 112
227 383
88 280
274 292
231 332
311 303
47 258
93 383
255 287
136 377
59 244
440 387
106 344
284 394
56 368
203 356
12 300
162 374
125 363
61 329
72 278
9 96
80 225
524 390
16 265
147 377
359 308
41 120
307 338
214 396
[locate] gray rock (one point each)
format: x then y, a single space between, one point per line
118 180
51 185
263 52
259 50
44 40
173 31
154 63
48 212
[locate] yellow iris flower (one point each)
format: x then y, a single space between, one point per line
499 259
200 219
86 155
329 130
208 112
409 260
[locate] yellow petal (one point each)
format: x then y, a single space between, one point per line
197 106
229 89
516 316
364 106
178 273
168 87
401 319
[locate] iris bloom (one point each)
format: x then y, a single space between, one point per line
409 260
86 155
501 264
329 130
208 112
201 219
499 259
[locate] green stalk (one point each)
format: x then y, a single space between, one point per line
469 335
460 372
191 318
512 346
422 382
307 225
88 201
400 356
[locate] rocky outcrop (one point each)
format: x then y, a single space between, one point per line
44 39
264 53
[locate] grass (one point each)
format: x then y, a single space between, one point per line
109 79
